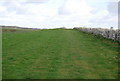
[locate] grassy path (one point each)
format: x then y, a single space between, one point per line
58 53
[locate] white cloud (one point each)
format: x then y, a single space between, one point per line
2 9
106 17
74 11
76 7
57 13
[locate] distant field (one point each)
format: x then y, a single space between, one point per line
57 54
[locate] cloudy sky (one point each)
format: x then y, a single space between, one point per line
59 13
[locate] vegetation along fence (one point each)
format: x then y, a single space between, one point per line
107 33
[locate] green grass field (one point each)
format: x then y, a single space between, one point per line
57 54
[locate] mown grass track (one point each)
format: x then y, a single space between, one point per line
58 54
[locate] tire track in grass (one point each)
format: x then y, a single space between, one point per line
56 43
99 58
47 61
41 65
71 67
87 64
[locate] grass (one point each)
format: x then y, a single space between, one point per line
58 54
